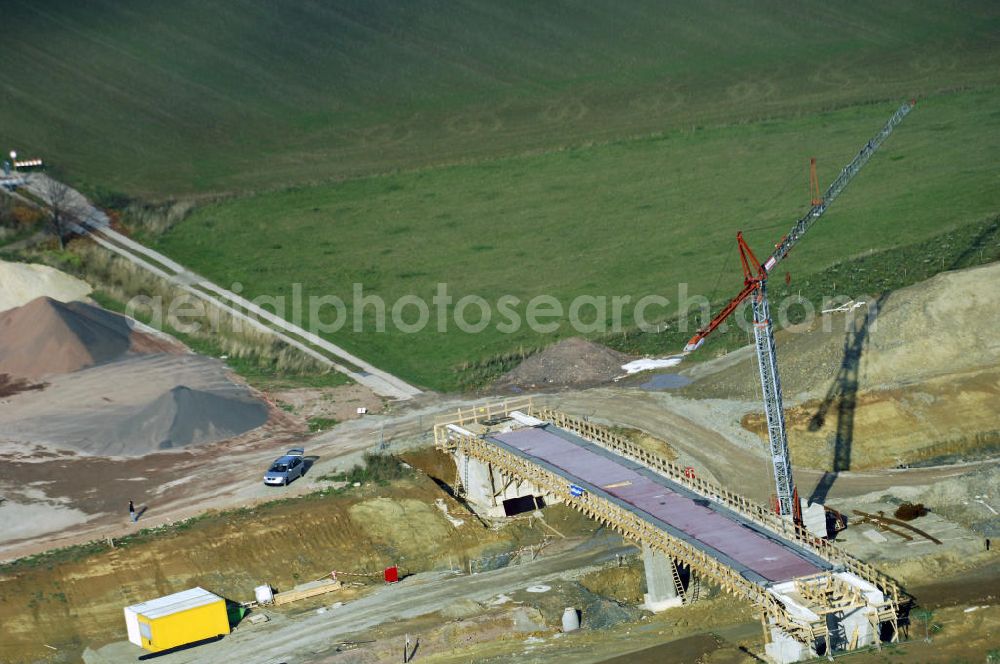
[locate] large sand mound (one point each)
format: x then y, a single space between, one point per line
571 362
918 382
23 282
45 337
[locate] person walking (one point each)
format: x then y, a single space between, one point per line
131 511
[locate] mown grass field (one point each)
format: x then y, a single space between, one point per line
629 218
188 98
507 149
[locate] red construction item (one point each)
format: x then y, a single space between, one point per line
689 472
814 183
796 505
391 574
753 274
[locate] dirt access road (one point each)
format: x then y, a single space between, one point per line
307 636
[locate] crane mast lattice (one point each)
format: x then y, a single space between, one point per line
755 287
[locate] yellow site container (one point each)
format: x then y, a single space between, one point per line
176 620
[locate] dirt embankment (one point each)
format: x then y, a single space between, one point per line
908 378
78 602
941 420
947 325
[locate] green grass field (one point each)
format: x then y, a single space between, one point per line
630 218
559 148
188 97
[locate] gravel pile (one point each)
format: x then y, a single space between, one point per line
111 387
47 337
183 416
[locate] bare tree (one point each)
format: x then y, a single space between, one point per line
64 207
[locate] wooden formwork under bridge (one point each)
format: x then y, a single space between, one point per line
813 598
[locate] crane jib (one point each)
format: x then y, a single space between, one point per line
837 186
803 224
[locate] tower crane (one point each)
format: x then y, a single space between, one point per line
755 288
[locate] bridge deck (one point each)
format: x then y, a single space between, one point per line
758 555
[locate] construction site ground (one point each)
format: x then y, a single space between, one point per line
925 370
55 608
303 537
456 617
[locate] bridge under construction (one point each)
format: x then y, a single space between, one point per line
813 598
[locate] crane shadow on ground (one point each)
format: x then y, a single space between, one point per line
986 238
844 389
844 393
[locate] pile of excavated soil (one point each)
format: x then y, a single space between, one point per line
569 363
46 337
23 282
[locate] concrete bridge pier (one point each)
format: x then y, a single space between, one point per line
493 495
662 579
855 625
782 648
853 629
846 630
